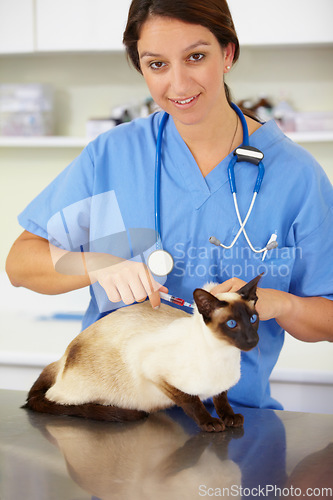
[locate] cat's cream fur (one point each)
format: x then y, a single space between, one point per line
137 348
141 359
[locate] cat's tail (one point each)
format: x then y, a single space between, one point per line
37 401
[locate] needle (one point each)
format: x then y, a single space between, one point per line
175 300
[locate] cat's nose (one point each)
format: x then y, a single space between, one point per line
250 343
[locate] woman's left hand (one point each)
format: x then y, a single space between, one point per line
306 318
271 303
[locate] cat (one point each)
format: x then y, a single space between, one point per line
137 360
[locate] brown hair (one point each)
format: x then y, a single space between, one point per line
212 14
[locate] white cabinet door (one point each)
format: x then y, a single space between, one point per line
16 26
74 25
270 22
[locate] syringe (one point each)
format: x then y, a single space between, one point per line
175 300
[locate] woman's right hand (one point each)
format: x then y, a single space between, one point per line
128 281
123 280
36 264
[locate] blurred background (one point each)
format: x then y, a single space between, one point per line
64 78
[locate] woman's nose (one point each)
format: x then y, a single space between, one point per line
180 81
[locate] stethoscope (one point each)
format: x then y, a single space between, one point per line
160 262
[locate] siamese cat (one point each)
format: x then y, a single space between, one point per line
137 360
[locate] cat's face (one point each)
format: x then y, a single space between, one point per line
231 316
235 322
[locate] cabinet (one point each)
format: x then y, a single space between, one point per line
80 25
16 26
285 22
28 26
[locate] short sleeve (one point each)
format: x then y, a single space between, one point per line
70 187
313 269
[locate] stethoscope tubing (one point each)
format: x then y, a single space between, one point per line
231 176
246 139
158 163
232 183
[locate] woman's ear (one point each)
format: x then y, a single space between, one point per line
228 55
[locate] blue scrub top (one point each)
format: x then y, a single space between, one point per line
104 202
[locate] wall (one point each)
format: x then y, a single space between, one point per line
89 85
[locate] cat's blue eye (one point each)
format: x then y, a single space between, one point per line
231 323
253 318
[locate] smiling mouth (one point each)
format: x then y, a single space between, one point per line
185 101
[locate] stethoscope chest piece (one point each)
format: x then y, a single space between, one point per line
160 262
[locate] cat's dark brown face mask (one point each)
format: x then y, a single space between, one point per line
235 321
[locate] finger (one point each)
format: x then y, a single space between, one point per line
125 292
153 287
231 285
148 282
113 294
116 289
226 286
129 285
154 296
155 299
138 291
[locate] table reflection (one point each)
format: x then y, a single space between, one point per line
166 455
313 476
150 459
276 455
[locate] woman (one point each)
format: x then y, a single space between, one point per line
85 223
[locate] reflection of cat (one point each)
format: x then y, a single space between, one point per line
154 458
137 360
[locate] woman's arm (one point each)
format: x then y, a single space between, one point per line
35 264
306 318
29 264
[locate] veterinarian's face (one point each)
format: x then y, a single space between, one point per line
183 65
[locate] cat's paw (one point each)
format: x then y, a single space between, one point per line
213 425
236 420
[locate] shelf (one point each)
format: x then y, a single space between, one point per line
81 142
44 142
316 136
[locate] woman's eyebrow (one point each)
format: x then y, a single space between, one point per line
187 49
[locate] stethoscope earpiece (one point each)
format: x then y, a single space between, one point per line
271 244
214 241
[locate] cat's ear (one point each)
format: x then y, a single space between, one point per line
206 302
248 291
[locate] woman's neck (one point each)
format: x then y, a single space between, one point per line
211 140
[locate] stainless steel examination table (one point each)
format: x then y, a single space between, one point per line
277 455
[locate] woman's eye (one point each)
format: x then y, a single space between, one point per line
156 65
231 323
196 57
253 318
